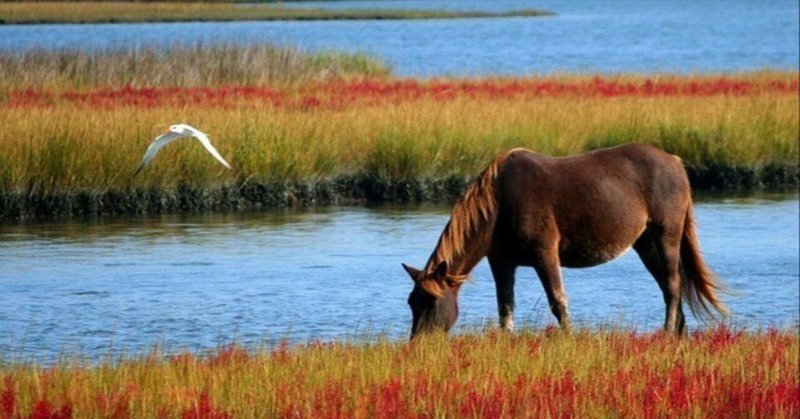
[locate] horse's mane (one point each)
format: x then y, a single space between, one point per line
476 207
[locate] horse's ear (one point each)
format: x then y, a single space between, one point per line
411 271
441 270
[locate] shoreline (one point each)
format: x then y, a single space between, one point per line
344 190
88 12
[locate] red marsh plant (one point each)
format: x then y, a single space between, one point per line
342 94
711 373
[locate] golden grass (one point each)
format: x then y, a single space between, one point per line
69 147
111 12
528 374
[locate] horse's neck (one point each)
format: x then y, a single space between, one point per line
467 237
462 257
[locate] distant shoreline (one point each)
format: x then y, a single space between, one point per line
32 13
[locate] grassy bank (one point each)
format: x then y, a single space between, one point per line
70 160
115 12
717 373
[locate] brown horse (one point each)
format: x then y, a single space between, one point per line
527 209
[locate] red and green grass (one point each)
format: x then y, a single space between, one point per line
339 94
91 139
76 123
712 373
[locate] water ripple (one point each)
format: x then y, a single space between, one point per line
126 289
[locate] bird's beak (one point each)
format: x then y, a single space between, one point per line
139 169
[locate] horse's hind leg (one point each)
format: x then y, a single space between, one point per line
660 252
504 282
549 271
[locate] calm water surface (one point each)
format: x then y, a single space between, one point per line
584 36
108 286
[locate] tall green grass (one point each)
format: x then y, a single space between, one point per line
193 65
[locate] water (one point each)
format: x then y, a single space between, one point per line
585 36
123 285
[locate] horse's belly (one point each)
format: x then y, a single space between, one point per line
593 249
601 237
583 257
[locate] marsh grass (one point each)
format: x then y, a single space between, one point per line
27 12
533 373
72 137
191 65
68 147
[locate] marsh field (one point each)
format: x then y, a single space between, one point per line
274 289
339 128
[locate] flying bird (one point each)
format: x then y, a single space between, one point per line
175 132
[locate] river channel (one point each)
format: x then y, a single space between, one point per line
109 286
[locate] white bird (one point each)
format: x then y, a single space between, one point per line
175 132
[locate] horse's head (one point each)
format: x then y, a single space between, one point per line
433 301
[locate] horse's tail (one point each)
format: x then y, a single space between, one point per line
700 284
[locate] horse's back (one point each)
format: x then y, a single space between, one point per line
659 177
594 205
637 170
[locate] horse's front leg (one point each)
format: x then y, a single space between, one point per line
549 271
504 282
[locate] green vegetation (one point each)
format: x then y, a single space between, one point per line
27 12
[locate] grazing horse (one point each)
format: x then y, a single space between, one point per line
527 209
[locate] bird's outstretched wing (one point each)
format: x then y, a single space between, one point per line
207 144
157 144
183 131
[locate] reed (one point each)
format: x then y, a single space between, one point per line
193 65
533 373
219 64
31 12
